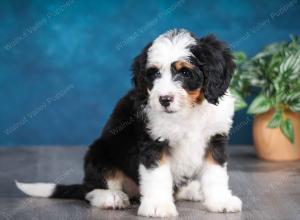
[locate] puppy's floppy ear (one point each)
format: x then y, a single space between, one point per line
138 68
217 64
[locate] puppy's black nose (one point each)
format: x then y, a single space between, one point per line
166 100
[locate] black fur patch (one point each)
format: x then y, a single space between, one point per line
152 151
138 68
118 148
217 148
216 62
76 191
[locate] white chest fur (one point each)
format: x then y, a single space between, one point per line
189 132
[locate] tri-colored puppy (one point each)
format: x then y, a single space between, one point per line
166 138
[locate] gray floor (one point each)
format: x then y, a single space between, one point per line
268 190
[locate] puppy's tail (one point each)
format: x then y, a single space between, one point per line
52 190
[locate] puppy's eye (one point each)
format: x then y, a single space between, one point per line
186 73
153 73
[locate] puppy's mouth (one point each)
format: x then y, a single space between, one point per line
168 111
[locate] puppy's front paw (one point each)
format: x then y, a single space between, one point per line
157 209
223 204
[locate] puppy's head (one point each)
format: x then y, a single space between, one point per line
178 71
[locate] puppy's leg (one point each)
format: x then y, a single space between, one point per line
111 198
191 192
214 179
156 185
105 184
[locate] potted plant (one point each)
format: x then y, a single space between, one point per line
273 77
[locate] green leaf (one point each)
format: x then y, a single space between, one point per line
239 102
291 62
295 107
293 101
287 129
276 119
239 57
259 105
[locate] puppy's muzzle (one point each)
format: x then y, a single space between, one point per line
166 100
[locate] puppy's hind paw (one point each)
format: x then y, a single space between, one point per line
108 199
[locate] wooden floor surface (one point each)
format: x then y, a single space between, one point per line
268 190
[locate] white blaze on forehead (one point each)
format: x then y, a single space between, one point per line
170 47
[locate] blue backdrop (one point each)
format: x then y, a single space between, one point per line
64 64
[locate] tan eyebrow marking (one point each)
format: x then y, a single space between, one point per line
181 64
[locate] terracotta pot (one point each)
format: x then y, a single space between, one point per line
271 144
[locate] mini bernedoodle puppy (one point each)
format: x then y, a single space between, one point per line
166 138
